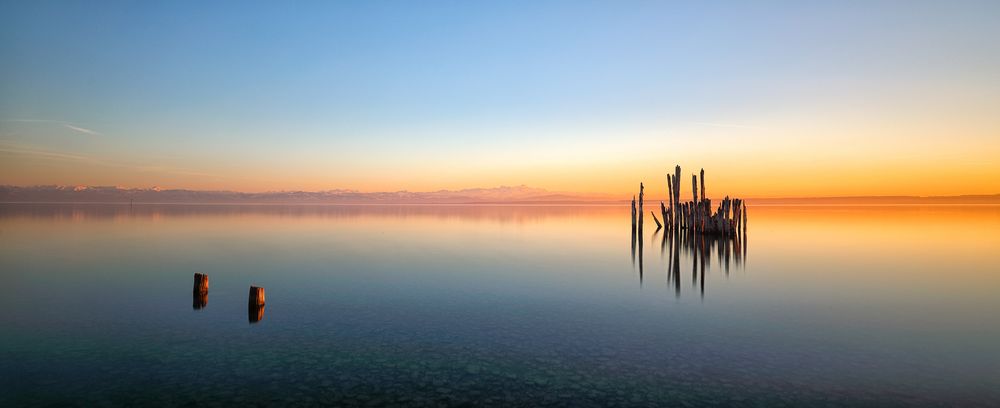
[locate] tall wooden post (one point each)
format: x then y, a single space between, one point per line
670 199
694 188
677 186
641 193
703 196
695 207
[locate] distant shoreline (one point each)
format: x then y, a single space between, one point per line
503 195
763 203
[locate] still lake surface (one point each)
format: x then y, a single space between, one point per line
501 305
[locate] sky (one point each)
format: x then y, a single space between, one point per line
771 98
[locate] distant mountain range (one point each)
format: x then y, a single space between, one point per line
497 195
106 194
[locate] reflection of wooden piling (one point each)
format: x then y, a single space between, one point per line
700 248
256 296
633 212
744 220
255 313
199 300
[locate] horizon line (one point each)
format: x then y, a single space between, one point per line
526 195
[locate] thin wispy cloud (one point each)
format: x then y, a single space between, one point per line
81 130
67 125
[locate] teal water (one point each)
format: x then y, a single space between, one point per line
497 305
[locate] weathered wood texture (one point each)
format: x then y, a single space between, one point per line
697 215
200 283
658 225
641 195
256 296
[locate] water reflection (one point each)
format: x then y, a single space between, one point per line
484 213
544 307
200 300
255 313
730 251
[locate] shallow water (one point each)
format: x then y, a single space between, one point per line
502 305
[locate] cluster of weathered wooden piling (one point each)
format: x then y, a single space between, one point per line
697 215
694 226
255 303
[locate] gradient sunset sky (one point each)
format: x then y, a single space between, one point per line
772 98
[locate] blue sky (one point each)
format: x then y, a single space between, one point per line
425 95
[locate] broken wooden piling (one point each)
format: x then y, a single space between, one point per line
697 215
256 296
199 294
200 283
703 196
641 194
677 191
658 225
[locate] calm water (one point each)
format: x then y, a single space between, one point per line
503 305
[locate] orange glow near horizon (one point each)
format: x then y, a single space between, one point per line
784 174
743 181
792 157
